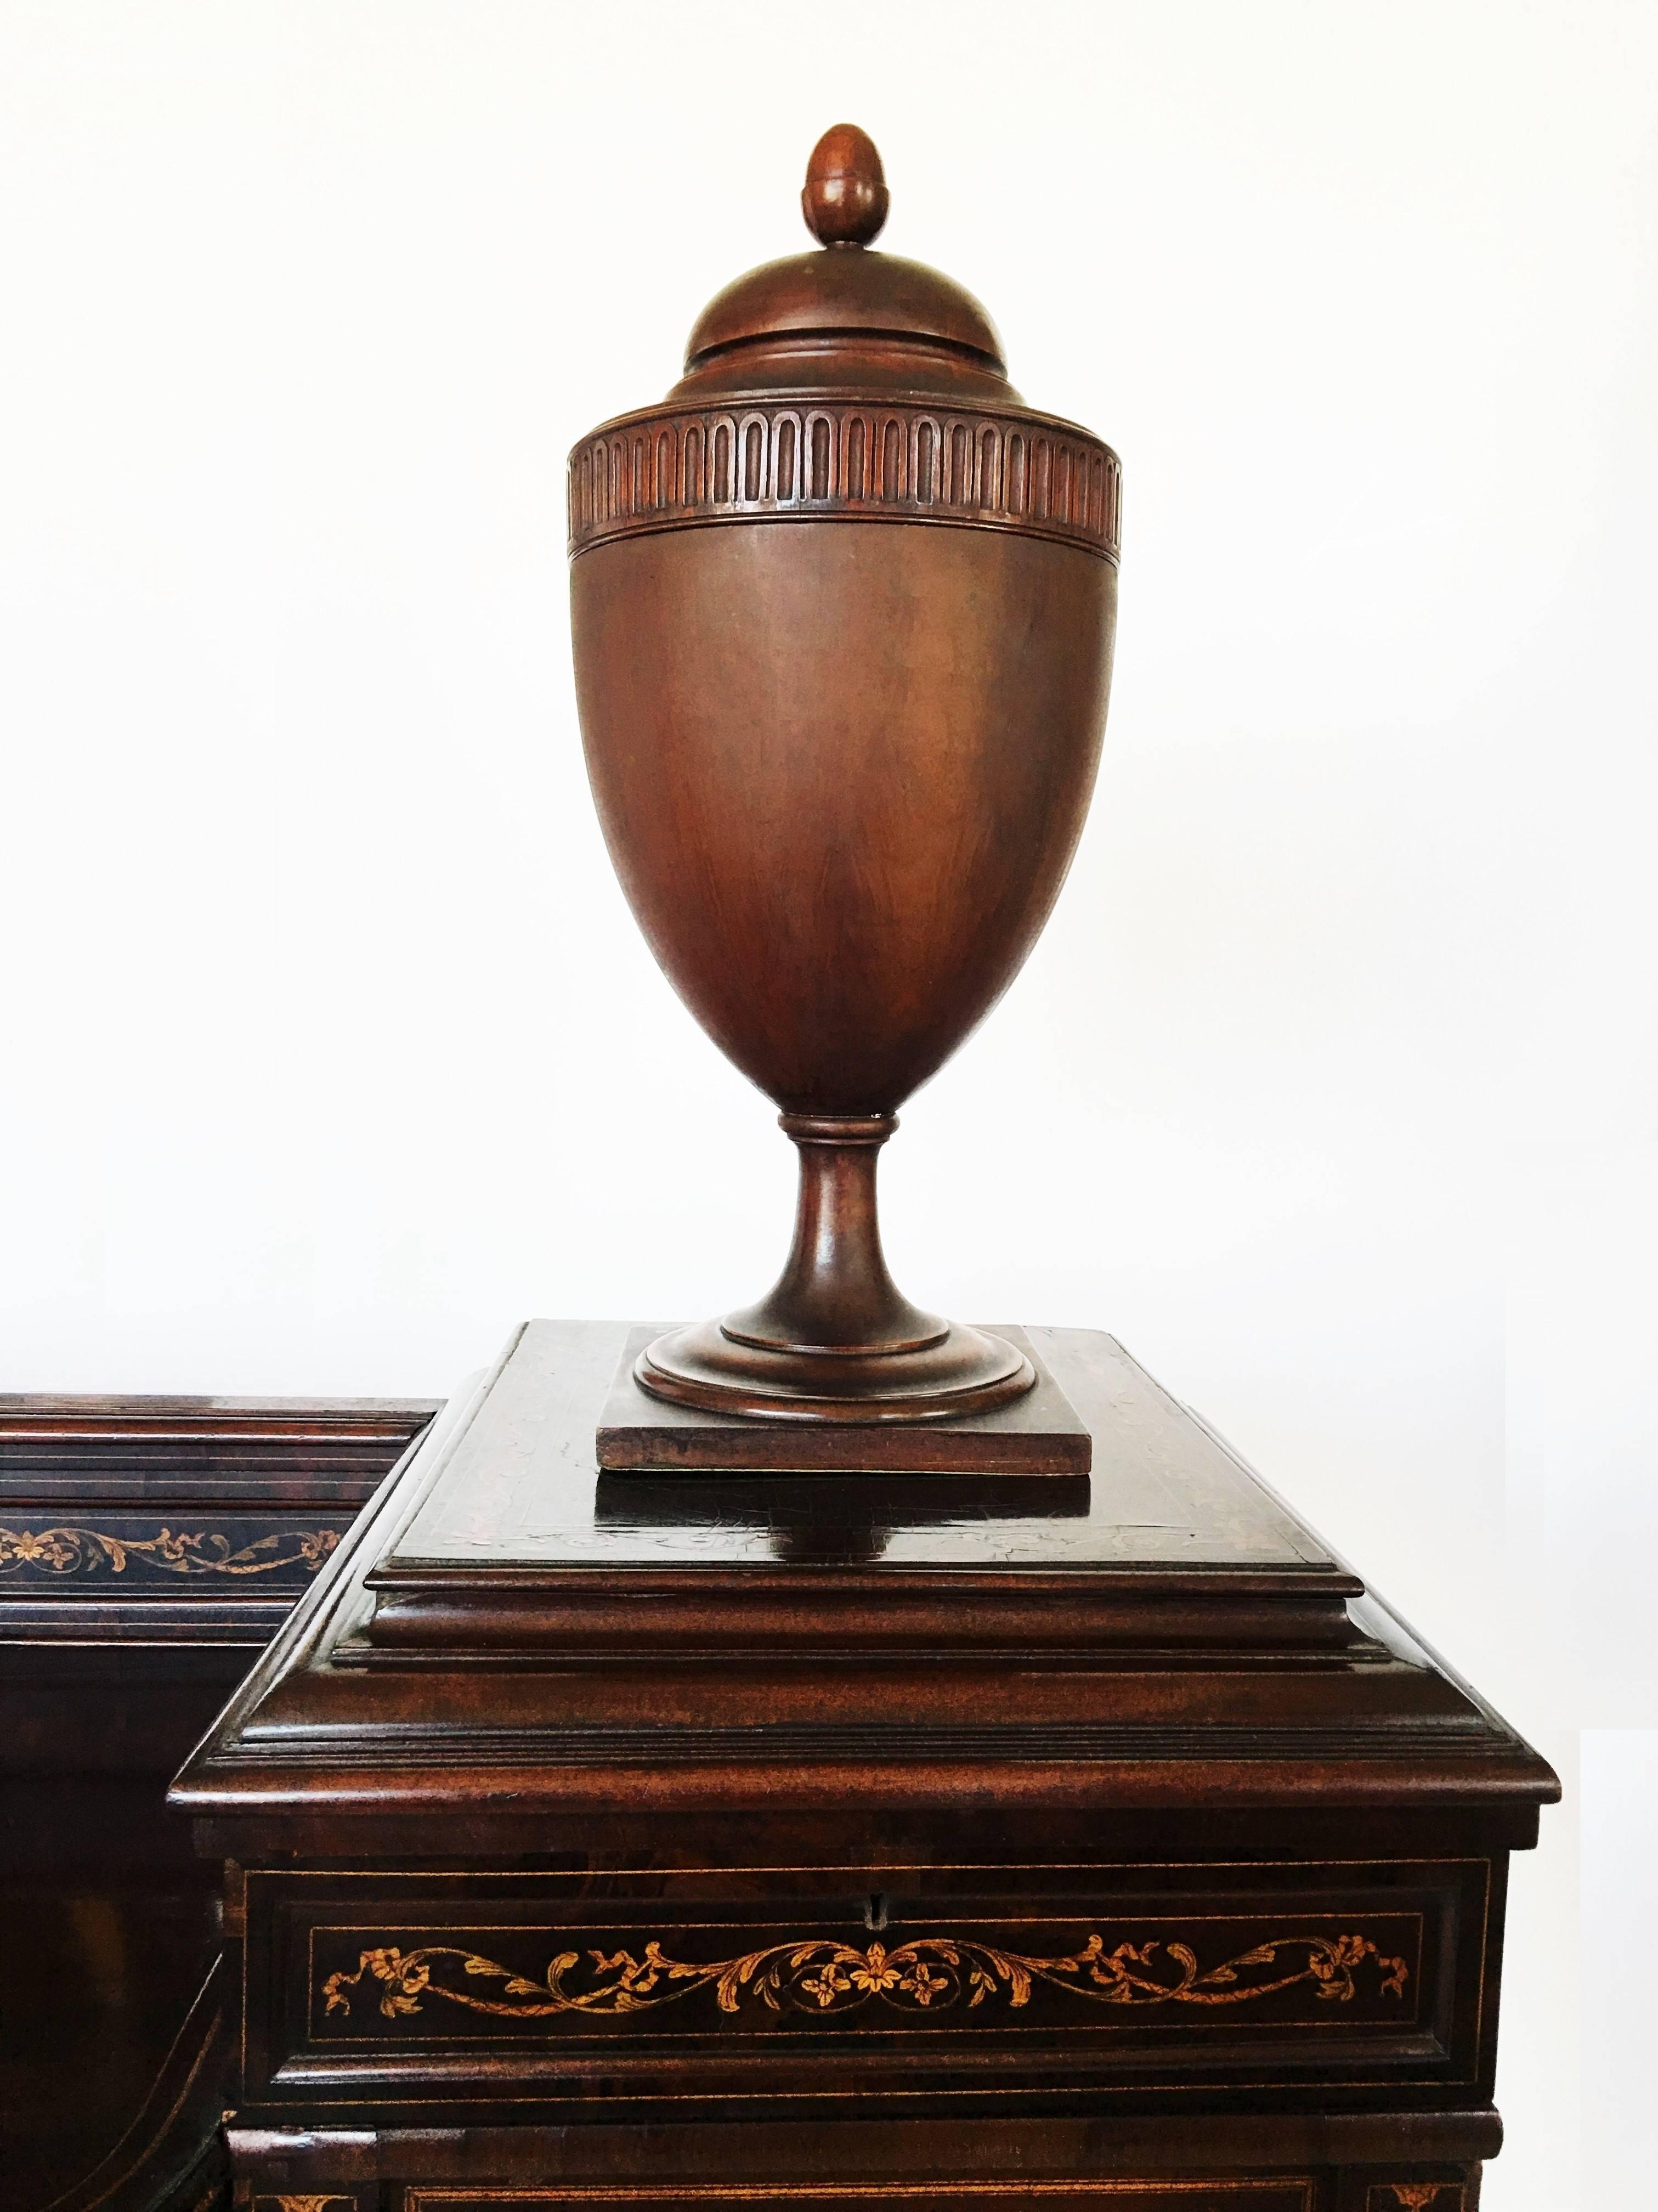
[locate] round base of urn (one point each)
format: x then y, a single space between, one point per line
964 1374
836 1339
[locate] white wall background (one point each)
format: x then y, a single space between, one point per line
333 1050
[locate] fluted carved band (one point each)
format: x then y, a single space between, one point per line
967 467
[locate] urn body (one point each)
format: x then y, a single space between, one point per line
841 768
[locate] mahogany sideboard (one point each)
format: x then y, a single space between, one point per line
149 1547
821 1842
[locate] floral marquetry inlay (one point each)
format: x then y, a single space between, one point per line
821 460
330 2201
825 1978
70 1550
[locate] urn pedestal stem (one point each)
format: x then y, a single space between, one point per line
836 1339
834 1297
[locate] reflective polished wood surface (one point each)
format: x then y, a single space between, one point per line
842 614
879 1836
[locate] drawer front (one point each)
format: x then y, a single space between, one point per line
1329 2190
814 1982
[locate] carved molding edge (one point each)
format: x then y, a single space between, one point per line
827 1980
1416 2196
826 460
70 1549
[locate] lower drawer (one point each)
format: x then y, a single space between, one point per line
1278 2193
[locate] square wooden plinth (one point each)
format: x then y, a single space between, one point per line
1039 1434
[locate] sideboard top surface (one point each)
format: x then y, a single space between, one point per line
522 1489
509 1636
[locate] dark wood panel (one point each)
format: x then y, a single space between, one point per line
1335 2161
172 2156
148 1548
276 1447
138 1520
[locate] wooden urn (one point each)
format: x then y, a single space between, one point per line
842 611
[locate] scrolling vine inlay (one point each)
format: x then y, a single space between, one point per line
329 2201
822 1976
67 1550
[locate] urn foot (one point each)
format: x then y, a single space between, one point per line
964 1372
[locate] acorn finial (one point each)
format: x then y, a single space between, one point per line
845 199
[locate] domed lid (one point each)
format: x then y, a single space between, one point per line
846 313
844 386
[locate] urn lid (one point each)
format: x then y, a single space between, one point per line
844 384
846 313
